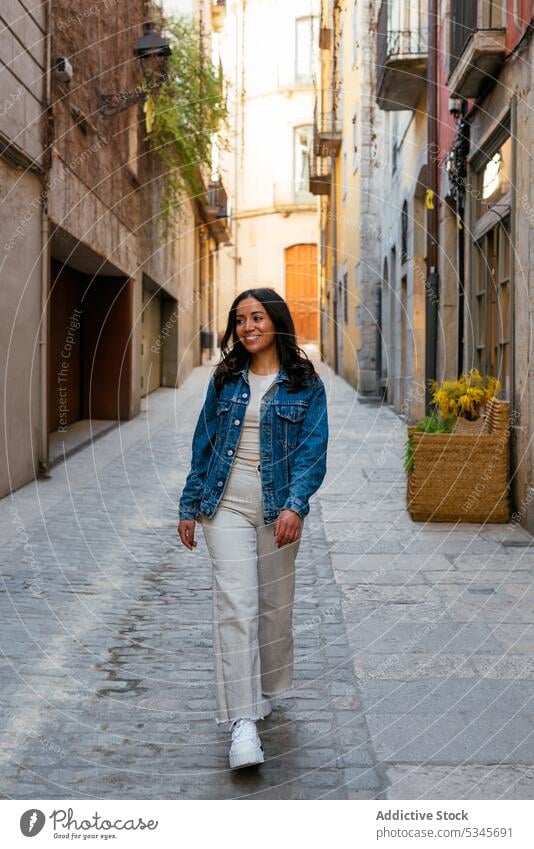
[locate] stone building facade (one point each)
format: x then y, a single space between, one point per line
103 306
480 288
487 202
346 142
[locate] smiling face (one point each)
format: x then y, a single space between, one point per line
254 327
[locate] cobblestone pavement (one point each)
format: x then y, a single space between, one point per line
414 670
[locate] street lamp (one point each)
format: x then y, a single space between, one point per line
153 53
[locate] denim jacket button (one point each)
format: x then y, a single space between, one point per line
219 483
236 421
244 395
229 451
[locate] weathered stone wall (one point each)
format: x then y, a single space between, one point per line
21 86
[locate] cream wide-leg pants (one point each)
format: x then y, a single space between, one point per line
253 591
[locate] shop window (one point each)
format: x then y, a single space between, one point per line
492 319
494 176
492 304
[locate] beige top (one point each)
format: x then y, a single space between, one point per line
248 447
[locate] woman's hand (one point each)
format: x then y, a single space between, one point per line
186 530
287 527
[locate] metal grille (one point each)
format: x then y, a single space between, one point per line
217 198
394 43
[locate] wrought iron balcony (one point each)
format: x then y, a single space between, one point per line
215 202
320 174
218 199
327 128
401 54
477 46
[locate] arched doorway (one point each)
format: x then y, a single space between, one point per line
302 293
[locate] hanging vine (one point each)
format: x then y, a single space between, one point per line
189 111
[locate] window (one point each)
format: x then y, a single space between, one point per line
354 52
306 49
354 143
404 233
463 20
393 125
496 175
491 266
301 169
345 286
341 76
344 178
493 14
492 304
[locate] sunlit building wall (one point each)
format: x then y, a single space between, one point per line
269 53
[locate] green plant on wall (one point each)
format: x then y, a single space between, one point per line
187 114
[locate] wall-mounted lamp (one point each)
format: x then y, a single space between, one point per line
153 53
63 70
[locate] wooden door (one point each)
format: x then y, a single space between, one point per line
302 294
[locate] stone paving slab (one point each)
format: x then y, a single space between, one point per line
461 782
453 738
441 695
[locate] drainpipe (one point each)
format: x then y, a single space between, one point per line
515 428
334 257
45 251
239 138
462 147
333 204
432 253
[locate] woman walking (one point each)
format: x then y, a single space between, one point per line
258 454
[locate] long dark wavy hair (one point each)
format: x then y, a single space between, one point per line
234 355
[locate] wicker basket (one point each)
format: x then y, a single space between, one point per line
462 476
464 426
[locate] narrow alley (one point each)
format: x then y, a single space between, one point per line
414 642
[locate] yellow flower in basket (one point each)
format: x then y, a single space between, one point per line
465 396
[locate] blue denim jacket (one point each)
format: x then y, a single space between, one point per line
293 444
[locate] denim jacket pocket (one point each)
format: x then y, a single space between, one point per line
293 412
289 418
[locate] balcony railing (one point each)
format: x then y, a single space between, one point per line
320 174
401 54
217 199
327 128
215 202
478 45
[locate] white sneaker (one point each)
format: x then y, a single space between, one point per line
246 748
